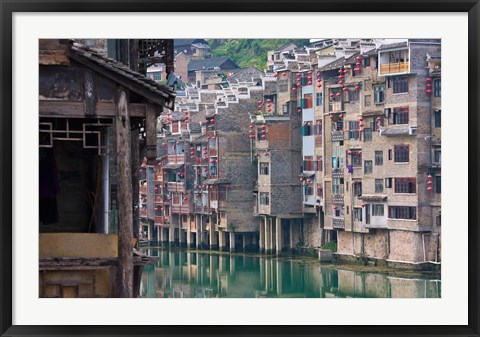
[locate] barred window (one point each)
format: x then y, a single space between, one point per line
402 153
357 214
367 167
378 185
264 168
400 116
400 85
377 210
402 212
379 91
378 158
405 185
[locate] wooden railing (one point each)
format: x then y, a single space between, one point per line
392 68
176 158
180 209
176 186
337 136
338 223
161 220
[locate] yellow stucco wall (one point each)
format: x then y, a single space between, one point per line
78 245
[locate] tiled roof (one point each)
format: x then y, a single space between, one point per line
393 45
173 166
208 63
122 74
333 65
186 42
373 197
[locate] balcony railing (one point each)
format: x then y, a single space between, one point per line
393 68
337 136
337 198
180 209
338 223
175 186
176 158
337 173
162 220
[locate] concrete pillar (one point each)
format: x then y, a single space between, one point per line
271 238
232 265
232 241
244 241
171 234
268 273
261 242
162 234
262 270
278 235
267 236
221 240
189 236
213 236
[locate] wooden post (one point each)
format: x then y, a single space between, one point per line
125 209
135 188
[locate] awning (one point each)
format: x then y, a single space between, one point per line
173 166
373 197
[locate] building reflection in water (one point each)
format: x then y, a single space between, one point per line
180 274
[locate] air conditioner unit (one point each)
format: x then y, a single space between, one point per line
412 130
387 112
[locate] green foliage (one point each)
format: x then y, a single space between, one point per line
250 52
330 246
231 227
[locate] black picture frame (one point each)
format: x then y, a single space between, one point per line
8 7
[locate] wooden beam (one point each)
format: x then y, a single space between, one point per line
77 109
125 205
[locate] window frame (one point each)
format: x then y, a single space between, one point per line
399 156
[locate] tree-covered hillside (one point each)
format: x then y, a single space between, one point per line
250 52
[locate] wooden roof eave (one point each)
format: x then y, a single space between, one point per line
161 98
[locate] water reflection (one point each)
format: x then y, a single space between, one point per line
203 275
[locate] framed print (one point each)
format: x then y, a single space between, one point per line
193 168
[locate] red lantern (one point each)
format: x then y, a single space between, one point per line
251 136
340 82
284 74
358 64
208 137
299 84
251 126
299 75
345 89
429 188
257 155
340 116
331 95
275 75
340 76
309 180
264 126
293 89
429 79
260 102
205 152
319 80
267 154
299 110
363 205
269 100
301 179
338 94
340 71
359 152
429 176
309 72
264 136
379 119
349 152
429 85
357 87
214 137
359 58
269 105
361 119
429 91
331 116
204 187
356 69
319 86
309 83
335 207
429 183
164 144
186 113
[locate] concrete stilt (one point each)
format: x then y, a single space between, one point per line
232 241
292 223
244 241
221 240
267 237
278 235
261 242
279 276
171 235
271 239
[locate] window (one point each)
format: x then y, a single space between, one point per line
378 185
400 85
378 158
401 153
367 167
264 198
438 184
437 156
402 212
307 129
438 118
308 190
437 88
367 135
379 92
389 154
356 159
405 185
337 185
377 210
264 168
157 76
400 116
175 128
366 61
357 214
317 128
388 182
309 164
285 109
283 87
353 130
319 99
357 188
307 101
260 134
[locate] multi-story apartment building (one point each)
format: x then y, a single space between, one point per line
341 143
379 163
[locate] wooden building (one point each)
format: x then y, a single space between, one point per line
94 115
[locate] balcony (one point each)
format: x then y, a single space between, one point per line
337 199
201 209
337 173
338 223
176 158
159 199
143 213
184 209
394 68
176 186
337 136
143 189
